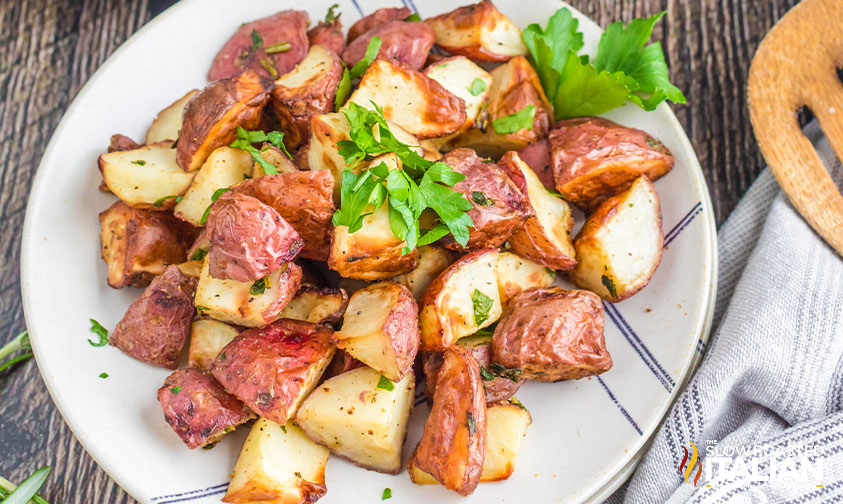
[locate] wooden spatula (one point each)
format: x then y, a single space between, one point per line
796 65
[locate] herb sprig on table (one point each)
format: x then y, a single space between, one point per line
624 69
421 185
27 491
19 344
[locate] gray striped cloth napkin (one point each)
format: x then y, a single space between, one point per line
762 418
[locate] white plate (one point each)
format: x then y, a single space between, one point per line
584 433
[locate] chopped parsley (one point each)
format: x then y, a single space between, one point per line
387 492
343 89
200 310
523 119
478 85
371 53
214 197
331 16
551 272
413 18
267 65
246 139
277 48
257 41
385 383
103 375
199 254
139 162
513 374
516 402
481 199
223 356
100 331
176 389
160 201
486 374
283 428
260 286
610 285
482 305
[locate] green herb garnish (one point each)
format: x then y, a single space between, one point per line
100 331
413 18
551 272
246 139
371 53
198 254
200 310
478 85
385 383
160 201
139 162
387 494
486 374
516 402
103 375
27 491
19 343
214 197
523 119
260 286
482 305
330 17
176 389
343 89
277 48
481 199
267 65
610 285
513 374
257 41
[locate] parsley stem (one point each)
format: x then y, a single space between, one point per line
27 491
21 342
14 361
277 48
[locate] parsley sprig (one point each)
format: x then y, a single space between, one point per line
246 140
624 69
419 186
18 344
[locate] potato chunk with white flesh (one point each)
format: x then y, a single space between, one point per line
410 99
360 417
479 31
372 252
381 329
144 176
620 245
433 260
320 305
224 168
167 123
207 337
461 300
244 303
278 465
465 79
515 86
546 236
516 274
277 158
506 426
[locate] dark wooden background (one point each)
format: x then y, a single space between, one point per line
49 48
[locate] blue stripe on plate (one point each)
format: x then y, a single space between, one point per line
639 346
191 495
357 6
412 5
673 233
620 406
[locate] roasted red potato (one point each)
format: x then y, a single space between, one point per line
406 42
342 362
498 387
198 409
320 305
381 329
453 446
307 90
155 327
550 334
305 200
546 236
167 123
515 86
377 18
594 158
433 260
465 79
248 239
257 46
212 116
499 207
620 246
119 143
516 274
273 368
139 244
537 157
410 99
478 31
207 337
328 33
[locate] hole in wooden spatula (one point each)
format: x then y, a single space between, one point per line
840 74
804 115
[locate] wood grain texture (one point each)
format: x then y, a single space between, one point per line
49 48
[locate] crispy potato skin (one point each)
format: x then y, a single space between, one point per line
248 239
290 281
402 325
200 411
453 445
305 200
497 389
328 35
594 158
295 105
238 54
155 327
552 334
469 18
537 157
211 117
139 244
270 368
377 18
493 224
406 42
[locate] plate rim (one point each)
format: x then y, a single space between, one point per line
601 488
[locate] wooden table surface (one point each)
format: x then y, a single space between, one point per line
49 48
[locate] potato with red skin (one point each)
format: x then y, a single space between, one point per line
498 388
305 200
377 18
479 31
342 362
537 157
273 368
239 53
551 334
594 158
198 409
211 118
499 207
248 239
138 244
402 41
155 327
328 34
453 446
307 90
